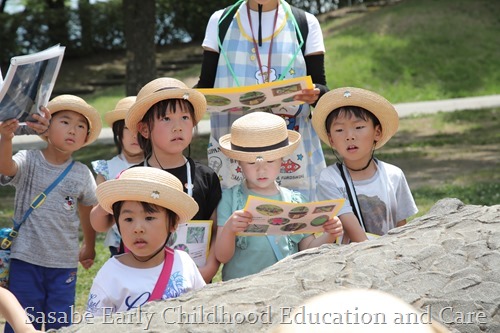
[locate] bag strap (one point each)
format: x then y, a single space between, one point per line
301 19
162 282
37 202
352 198
299 15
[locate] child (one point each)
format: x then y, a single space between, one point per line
165 114
259 141
355 122
147 205
13 313
264 42
129 153
44 255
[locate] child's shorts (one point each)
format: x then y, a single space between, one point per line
37 288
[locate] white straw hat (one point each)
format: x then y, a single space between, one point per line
259 135
150 185
120 110
162 89
78 105
350 96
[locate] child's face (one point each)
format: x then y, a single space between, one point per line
130 145
352 137
172 133
143 233
68 131
260 176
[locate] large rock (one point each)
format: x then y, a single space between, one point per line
446 263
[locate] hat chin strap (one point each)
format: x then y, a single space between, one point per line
363 168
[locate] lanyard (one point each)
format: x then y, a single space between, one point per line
189 184
266 77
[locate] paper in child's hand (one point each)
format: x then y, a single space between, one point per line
273 217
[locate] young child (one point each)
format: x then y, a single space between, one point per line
165 114
355 122
14 313
147 205
129 153
259 141
45 254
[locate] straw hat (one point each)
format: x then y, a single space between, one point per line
77 104
387 314
349 96
120 110
150 185
162 89
259 135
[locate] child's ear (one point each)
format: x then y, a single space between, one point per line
378 132
143 129
173 224
330 140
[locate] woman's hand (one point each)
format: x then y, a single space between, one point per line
309 96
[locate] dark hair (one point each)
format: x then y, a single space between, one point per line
118 127
350 111
172 217
158 111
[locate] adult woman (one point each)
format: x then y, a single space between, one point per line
263 43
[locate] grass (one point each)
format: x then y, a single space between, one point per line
416 50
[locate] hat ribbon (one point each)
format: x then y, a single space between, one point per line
281 144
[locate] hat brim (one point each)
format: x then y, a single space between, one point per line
114 190
268 155
92 116
376 104
141 106
113 116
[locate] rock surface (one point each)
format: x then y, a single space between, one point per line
446 263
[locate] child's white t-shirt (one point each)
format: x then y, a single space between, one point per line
119 288
385 199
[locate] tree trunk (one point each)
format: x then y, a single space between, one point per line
57 22
139 20
85 14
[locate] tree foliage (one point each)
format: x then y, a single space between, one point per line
94 27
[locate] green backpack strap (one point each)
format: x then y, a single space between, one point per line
299 15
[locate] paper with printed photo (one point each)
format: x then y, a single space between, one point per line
28 83
194 238
273 217
259 97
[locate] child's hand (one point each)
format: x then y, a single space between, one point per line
86 256
8 127
239 221
42 121
333 227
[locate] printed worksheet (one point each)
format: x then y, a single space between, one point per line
194 238
272 217
259 97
